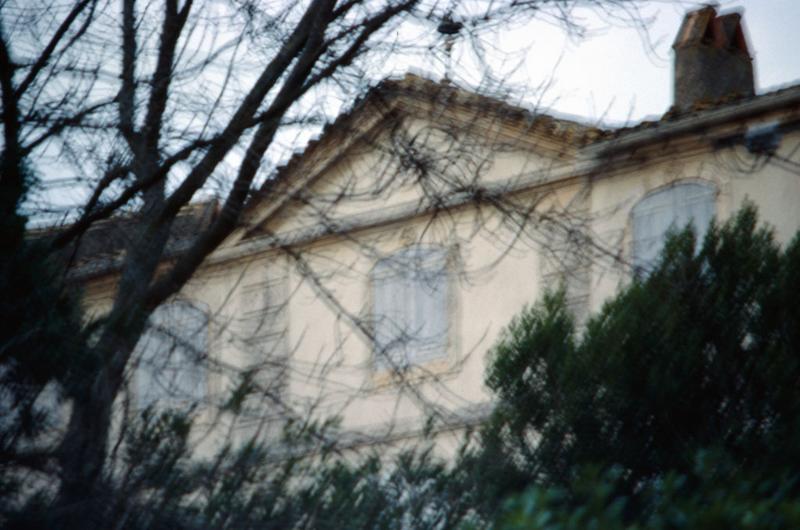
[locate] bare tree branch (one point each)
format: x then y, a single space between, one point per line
48 50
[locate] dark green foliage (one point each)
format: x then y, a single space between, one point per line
702 354
253 486
41 354
716 495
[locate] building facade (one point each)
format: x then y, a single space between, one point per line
383 263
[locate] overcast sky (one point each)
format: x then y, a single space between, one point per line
619 74
614 75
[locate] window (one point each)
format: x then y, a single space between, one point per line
675 206
410 306
263 314
172 356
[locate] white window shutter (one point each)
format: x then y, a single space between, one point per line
410 305
388 309
431 302
420 310
191 350
403 317
699 209
665 209
172 357
147 385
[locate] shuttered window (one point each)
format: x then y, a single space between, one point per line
665 209
410 313
172 357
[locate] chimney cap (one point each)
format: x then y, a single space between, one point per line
703 27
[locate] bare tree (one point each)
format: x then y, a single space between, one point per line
159 105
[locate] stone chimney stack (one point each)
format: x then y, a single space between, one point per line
711 59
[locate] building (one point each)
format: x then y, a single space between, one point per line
386 259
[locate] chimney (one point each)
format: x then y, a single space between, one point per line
711 59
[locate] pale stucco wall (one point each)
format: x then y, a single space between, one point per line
502 255
736 175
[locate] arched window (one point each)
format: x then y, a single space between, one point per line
410 306
671 207
172 356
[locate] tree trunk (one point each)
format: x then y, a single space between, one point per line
82 457
84 448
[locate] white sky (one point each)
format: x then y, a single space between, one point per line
614 74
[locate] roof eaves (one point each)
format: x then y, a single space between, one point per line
674 125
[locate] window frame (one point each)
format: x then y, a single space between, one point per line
707 189
393 266
166 399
